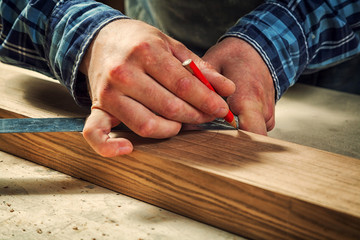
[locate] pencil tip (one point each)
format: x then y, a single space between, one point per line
234 123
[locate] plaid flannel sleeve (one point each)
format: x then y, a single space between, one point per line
51 37
301 36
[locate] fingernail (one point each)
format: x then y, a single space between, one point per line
123 150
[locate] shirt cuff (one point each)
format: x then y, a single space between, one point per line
278 37
72 27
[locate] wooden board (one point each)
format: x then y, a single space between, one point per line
248 184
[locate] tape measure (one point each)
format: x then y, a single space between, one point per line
32 125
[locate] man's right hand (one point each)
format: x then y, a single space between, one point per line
135 76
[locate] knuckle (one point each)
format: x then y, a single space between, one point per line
183 86
168 66
150 91
141 47
199 118
160 40
88 134
172 109
177 45
140 50
121 74
209 104
270 125
147 128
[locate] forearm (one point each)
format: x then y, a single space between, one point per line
303 37
51 37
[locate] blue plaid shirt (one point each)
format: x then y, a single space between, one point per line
51 36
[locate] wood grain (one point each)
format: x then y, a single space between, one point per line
248 184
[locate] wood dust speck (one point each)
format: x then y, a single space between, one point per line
39 231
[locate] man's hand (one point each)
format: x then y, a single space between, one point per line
135 76
254 97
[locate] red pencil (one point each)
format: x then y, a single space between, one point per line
191 67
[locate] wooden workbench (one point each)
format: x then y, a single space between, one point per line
268 149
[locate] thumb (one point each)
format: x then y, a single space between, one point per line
96 132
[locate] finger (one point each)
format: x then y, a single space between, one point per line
252 122
170 73
96 132
187 87
222 85
154 96
140 119
251 117
270 124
